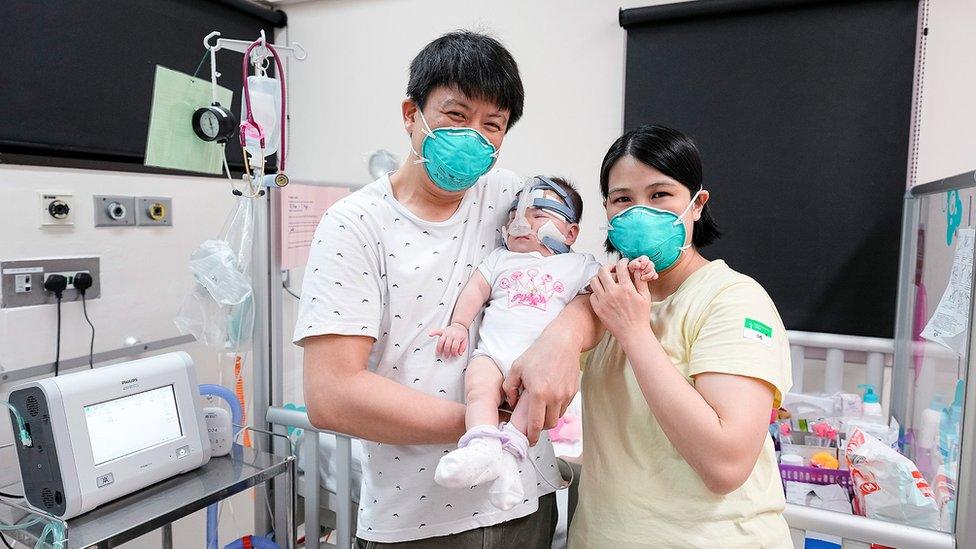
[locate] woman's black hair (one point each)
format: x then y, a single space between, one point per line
672 153
476 64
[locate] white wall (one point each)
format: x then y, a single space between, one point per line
948 115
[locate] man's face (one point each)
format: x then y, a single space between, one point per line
448 107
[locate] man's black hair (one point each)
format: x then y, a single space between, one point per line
475 64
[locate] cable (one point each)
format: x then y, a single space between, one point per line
289 290
6 543
81 282
56 284
57 353
10 496
91 344
22 433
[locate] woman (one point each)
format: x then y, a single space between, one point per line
677 396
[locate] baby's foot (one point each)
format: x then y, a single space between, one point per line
507 492
474 464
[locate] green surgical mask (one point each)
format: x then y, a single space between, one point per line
455 158
645 231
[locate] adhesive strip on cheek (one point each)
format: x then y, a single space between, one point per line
550 230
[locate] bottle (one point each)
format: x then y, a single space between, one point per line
871 408
927 441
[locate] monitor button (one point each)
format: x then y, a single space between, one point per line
182 451
104 480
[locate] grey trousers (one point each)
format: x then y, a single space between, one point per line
530 532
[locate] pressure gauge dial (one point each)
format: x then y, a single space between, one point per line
214 123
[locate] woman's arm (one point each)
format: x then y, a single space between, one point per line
719 424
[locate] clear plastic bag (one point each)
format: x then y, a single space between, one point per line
219 308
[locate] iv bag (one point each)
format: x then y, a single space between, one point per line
265 94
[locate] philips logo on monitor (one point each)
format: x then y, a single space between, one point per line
128 384
127 381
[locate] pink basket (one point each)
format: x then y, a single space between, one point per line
813 475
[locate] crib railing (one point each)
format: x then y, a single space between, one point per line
344 504
836 351
855 531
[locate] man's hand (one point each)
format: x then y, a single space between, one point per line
548 374
453 340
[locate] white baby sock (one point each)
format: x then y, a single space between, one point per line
507 492
474 462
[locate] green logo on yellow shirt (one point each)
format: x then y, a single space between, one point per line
757 331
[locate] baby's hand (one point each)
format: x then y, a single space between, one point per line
643 266
453 340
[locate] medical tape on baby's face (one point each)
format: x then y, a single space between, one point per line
549 229
520 226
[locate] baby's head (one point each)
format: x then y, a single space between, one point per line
551 218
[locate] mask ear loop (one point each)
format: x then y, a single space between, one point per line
685 212
427 132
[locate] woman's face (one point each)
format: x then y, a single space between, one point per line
633 183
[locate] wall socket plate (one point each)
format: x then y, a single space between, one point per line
114 211
56 209
154 210
22 281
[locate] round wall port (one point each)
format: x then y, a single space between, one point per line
58 209
117 211
157 211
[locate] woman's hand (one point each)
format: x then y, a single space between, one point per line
623 304
453 340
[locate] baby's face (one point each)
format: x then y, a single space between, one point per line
530 242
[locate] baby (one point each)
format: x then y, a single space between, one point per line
526 284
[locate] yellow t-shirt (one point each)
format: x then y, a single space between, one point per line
636 490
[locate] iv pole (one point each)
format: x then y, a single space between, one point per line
268 337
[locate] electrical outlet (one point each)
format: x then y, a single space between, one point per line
22 281
56 209
68 275
114 211
154 210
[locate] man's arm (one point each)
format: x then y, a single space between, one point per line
343 396
548 372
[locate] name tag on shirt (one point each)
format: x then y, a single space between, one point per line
757 331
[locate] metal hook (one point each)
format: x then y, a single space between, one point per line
296 46
206 41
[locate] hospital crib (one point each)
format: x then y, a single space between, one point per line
866 360
863 359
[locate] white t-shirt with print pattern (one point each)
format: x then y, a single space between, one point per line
378 270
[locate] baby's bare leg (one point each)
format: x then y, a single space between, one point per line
480 449
483 392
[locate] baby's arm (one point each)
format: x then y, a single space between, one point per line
454 338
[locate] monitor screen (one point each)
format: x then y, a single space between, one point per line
132 423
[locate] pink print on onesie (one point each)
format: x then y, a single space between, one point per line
528 289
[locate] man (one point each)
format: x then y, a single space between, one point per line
386 266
